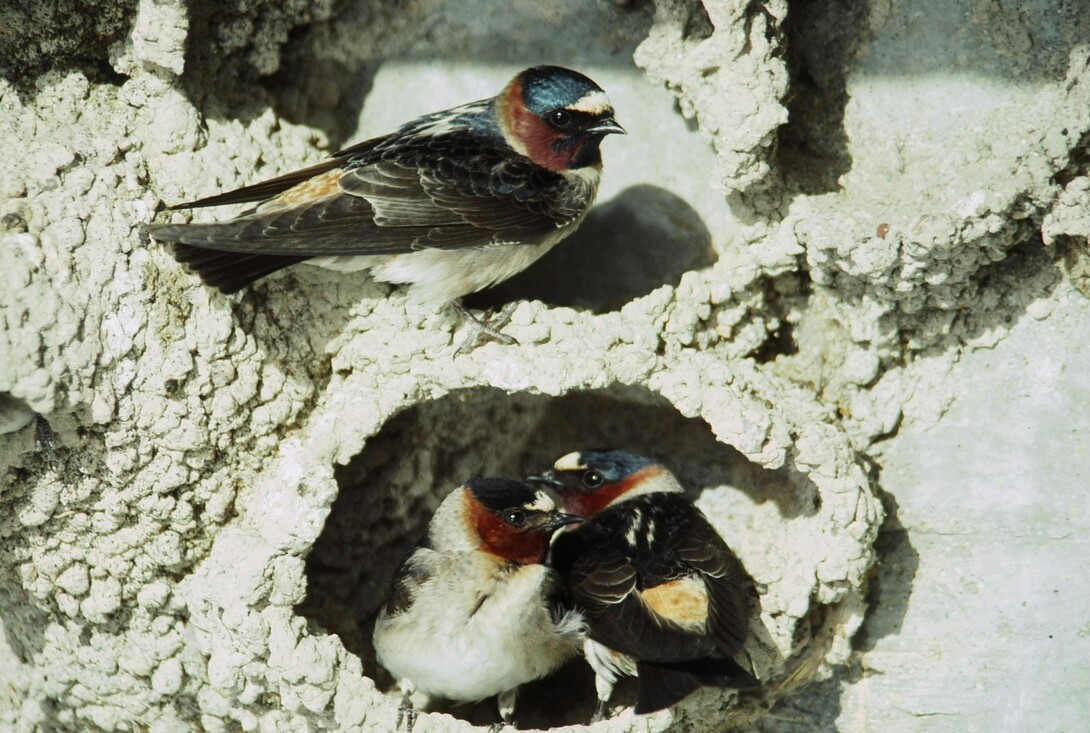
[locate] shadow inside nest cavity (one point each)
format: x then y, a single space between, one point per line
388 492
822 41
639 241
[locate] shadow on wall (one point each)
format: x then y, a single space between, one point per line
891 585
388 492
643 239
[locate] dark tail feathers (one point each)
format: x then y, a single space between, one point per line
229 272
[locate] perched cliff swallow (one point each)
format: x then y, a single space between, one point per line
472 611
451 203
665 599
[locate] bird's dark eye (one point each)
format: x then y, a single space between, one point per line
560 117
515 517
592 479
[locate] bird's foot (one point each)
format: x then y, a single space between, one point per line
506 703
406 713
507 722
486 325
601 712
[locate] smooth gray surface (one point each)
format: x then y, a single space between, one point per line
996 634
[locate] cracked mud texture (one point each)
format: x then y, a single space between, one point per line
819 209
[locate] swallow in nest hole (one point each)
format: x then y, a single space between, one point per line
664 598
472 611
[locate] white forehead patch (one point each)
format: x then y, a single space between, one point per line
595 103
569 462
542 503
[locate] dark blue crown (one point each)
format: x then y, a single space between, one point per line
614 464
546 88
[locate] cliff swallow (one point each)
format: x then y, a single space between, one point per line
450 203
665 599
472 611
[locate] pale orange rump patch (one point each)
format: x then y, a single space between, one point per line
318 187
685 602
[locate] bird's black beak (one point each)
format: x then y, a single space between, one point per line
607 126
553 521
548 478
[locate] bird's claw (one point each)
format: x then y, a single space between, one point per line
486 325
600 712
406 713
